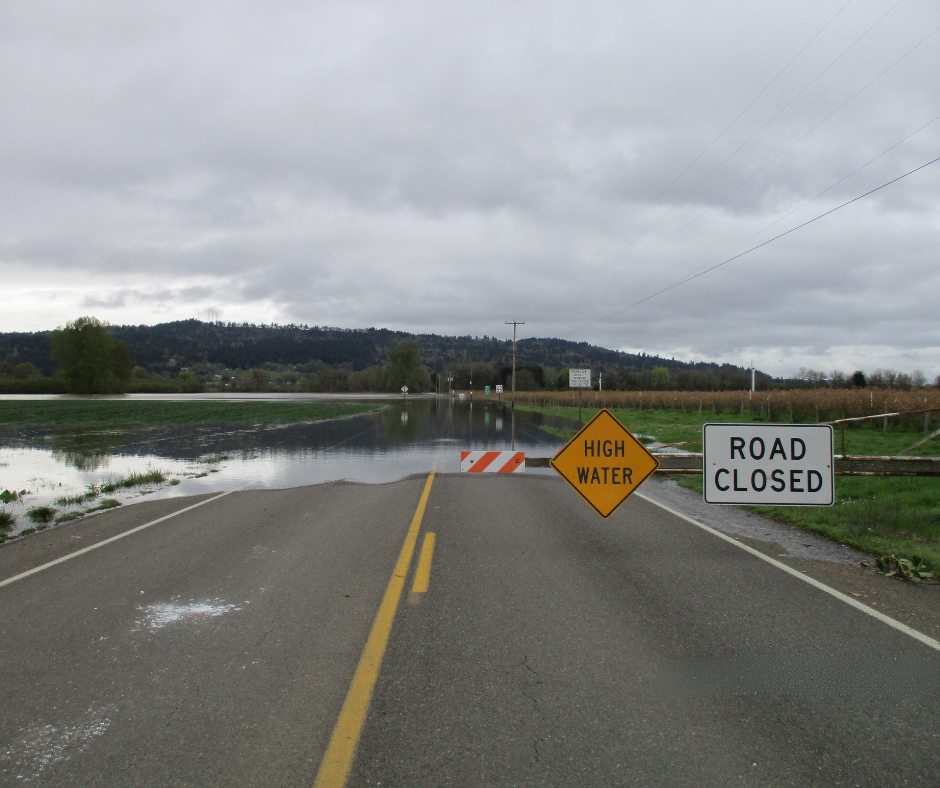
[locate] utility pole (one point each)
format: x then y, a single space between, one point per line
514 323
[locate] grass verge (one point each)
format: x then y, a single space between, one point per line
897 515
40 514
114 413
134 479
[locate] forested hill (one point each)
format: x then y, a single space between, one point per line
190 343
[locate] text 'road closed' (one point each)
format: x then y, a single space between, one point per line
770 464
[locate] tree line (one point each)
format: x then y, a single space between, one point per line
89 356
167 347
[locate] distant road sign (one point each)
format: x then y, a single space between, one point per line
486 391
604 463
404 389
499 389
492 461
579 378
768 464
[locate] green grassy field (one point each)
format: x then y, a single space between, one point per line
134 413
881 515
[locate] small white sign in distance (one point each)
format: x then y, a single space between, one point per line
579 378
768 464
404 389
499 389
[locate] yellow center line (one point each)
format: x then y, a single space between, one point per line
338 759
423 572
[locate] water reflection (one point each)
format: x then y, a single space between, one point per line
87 450
402 439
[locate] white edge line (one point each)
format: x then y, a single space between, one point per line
919 636
102 543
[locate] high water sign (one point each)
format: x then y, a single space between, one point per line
604 463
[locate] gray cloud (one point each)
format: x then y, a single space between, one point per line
444 168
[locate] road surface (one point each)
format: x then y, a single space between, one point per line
218 647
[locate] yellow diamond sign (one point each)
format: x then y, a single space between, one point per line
604 463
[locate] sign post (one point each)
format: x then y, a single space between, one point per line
604 463
499 393
579 379
404 391
768 464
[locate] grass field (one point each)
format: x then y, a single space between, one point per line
130 413
881 515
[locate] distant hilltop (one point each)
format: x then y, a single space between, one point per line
169 347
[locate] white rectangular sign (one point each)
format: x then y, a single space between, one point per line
768 464
499 389
579 378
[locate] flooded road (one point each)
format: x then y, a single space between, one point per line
53 466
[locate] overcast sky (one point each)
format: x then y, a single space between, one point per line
445 167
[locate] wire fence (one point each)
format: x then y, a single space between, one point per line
795 406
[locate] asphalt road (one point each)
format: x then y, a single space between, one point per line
551 648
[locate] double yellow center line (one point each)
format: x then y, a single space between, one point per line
341 750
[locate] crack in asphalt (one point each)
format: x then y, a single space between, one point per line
176 708
525 662
263 637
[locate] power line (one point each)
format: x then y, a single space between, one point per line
686 279
788 147
749 139
710 144
816 197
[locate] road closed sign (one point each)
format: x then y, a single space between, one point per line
768 464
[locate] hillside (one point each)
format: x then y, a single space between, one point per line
191 343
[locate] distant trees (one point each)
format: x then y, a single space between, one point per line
91 361
814 377
327 379
525 380
404 367
377 360
890 379
256 379
372 378
188 382
25 371
660 379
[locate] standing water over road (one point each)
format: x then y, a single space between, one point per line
402 439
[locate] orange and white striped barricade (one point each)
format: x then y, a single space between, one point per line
492 462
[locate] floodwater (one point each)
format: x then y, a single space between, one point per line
403 438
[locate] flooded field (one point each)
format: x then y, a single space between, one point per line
49 475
